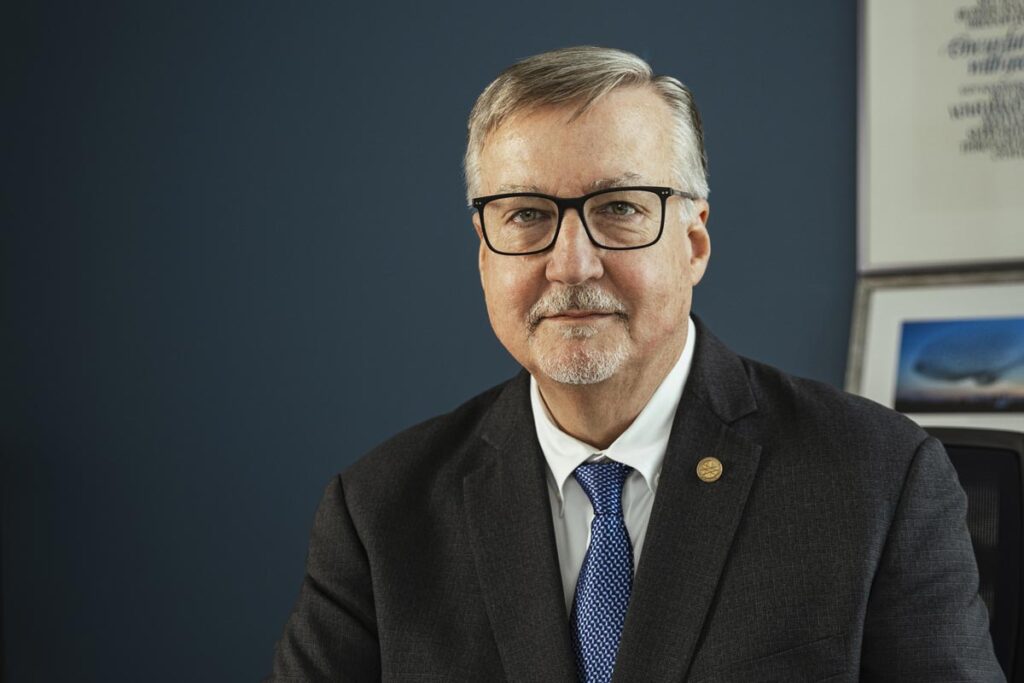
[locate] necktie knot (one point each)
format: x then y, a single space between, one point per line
602 482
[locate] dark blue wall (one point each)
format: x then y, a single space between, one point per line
236 255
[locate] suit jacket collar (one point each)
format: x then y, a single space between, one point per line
689 534
718 378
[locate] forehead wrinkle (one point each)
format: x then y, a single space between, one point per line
628 178
622 180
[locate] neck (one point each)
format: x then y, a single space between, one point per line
597 414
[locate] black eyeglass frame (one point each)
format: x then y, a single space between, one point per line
564 203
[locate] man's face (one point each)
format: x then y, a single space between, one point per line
579 314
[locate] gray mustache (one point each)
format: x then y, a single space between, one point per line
579 297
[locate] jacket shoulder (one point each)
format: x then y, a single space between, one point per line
792 408
838 446
427 456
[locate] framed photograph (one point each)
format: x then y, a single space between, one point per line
947 350
940 134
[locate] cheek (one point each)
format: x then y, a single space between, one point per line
510 292
660 291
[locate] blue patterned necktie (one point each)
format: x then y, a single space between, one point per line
606 578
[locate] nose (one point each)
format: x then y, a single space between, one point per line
574 259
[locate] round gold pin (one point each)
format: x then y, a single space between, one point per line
709 469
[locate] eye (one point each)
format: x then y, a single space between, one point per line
620 209
527 216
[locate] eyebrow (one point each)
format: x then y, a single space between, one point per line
518 188
601 184
618 181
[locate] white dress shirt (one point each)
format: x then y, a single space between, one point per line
642 447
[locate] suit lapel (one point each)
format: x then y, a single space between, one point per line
692 523
509 518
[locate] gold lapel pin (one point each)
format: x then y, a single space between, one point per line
709 469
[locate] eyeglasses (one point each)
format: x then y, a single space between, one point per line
523 223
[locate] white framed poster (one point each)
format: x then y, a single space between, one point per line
946 350
941 134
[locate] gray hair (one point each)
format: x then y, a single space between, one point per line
582 75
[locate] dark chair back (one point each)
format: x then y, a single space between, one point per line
989 464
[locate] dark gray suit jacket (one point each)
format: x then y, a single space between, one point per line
833 548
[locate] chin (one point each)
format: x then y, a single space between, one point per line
582 366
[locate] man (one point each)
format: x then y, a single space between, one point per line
640 501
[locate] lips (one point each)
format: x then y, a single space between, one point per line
578 314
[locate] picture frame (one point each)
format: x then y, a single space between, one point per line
940 149
946 349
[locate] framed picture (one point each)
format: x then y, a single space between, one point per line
947 350
940 133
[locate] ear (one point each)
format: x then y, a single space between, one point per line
476 226
703 210
700 241
482 253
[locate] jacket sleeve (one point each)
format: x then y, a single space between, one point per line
925 620
332 632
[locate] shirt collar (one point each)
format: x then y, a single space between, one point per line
642 446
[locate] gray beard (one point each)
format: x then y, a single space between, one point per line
583 365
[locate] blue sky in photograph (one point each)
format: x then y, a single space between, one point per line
959 358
